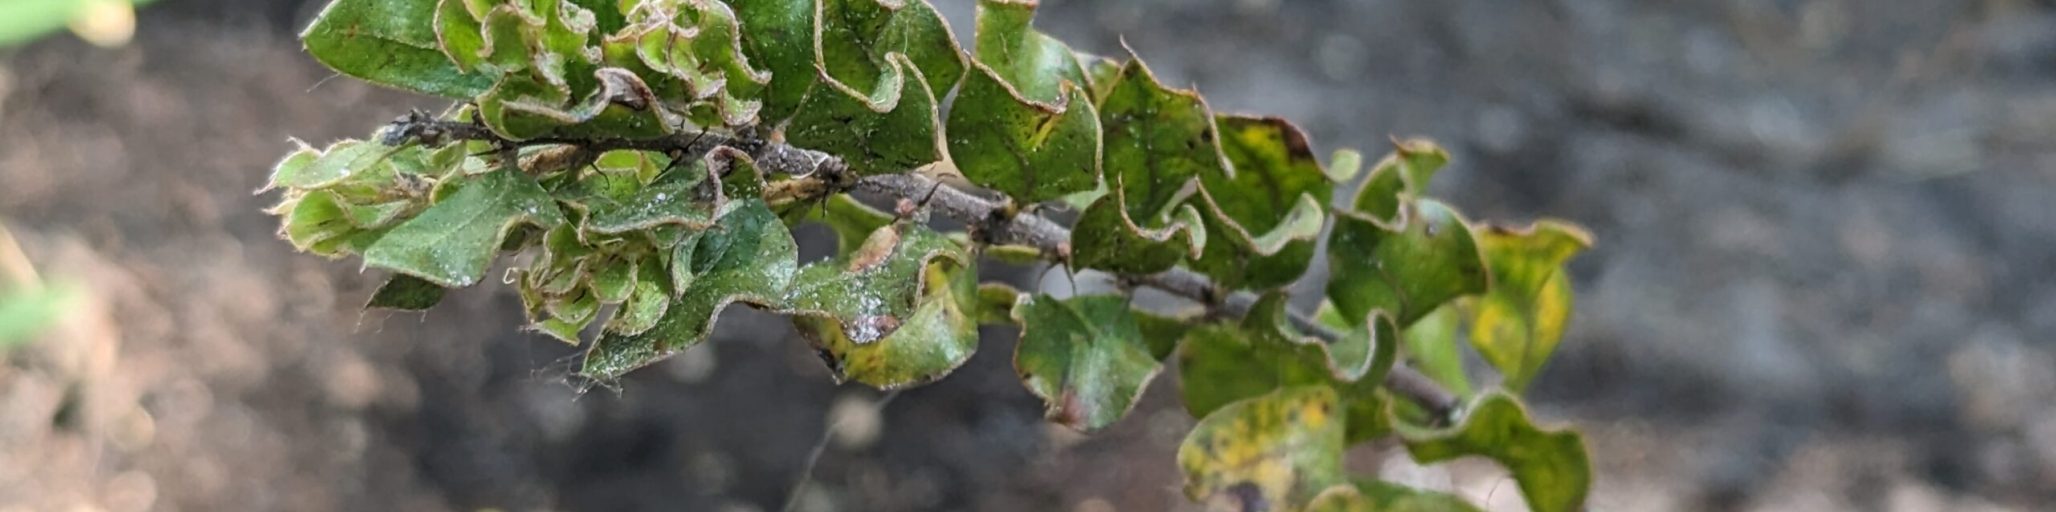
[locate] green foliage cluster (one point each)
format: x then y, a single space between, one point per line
618 157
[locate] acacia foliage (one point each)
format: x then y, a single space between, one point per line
576 158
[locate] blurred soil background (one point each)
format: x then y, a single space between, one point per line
1825 278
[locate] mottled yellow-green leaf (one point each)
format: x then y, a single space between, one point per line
1266 352
1084 356
899 311
1408 269
1275 451
1551 466
1517 324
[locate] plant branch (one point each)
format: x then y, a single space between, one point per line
990 220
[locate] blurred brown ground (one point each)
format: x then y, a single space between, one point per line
1824 279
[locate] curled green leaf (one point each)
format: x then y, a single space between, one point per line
1262 217
1408 269
1551 466
1084 356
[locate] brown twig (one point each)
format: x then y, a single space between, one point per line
993 219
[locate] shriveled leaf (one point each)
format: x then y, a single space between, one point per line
754 263
1551 466
1276 451
453 242
1379 496
406 293
889 129
1084 356
645 305
1410 269
613 279
1518 323
899 311
391 43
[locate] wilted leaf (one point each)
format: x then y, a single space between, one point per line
1551 466
899 311
1084 356
1271 452
1519 321
453 242
1409 269
391 43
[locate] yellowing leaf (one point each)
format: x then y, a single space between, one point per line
899 311
1272 452
1519 321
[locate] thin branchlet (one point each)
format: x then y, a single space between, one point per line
814 175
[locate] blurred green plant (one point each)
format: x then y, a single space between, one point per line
27 305
101 22
649 158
